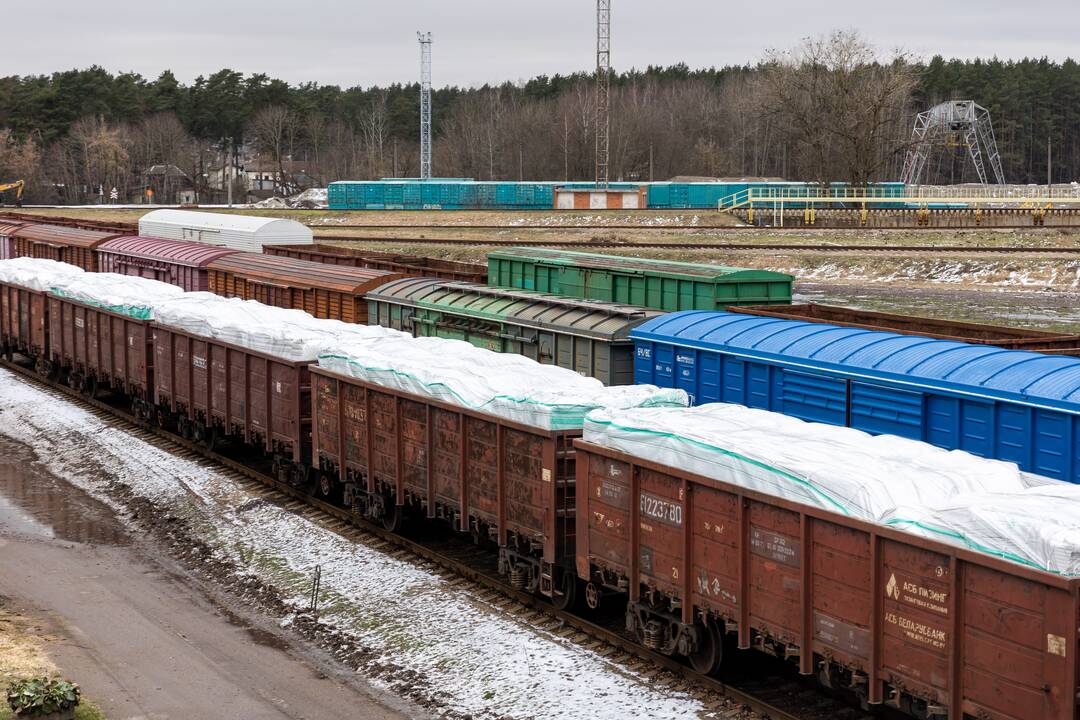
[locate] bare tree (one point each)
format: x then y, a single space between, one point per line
273 130
839 107
375 128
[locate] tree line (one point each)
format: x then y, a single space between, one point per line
829 109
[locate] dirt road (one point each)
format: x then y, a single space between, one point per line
137 633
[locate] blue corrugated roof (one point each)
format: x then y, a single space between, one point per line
982 369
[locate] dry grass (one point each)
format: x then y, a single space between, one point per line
22 644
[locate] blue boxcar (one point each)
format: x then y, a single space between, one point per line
1018 406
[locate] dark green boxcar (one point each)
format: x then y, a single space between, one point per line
661 284
587 336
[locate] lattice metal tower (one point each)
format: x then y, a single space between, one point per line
957 123
425 104
603 89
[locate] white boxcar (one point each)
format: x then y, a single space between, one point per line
239 232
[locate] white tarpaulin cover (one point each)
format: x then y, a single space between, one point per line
289 334
35 273
1038 527
503 384
951 495
124 294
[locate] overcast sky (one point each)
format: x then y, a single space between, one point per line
366 42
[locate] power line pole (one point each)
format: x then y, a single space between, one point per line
425 104
1049 170
603 89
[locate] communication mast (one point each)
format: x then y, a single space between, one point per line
425 104
603 89
953 124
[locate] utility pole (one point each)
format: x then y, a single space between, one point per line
1049 170
603 89
425 104
232 165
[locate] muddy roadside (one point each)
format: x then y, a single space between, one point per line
139 632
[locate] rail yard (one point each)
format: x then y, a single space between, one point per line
736 377
513 505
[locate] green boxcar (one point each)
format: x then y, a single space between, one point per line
587 336
660 284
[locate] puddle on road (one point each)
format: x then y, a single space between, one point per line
35 503
1043 310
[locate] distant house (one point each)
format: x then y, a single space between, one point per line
264 176
167 185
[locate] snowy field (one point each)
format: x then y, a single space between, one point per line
460 655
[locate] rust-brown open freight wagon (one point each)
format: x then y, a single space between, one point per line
417 265
63 244
100 348
325 291
1012 338
934 629
23 326
213 389
389 450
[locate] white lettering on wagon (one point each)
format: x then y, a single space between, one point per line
916 595
917 631
199 362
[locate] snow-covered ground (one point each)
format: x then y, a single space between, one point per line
464 655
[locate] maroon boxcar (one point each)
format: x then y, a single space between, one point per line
63 244
325 291
170 261
385 451
413 265
23 326
212 389
933 629
7 242
99 348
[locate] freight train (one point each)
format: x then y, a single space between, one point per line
914 622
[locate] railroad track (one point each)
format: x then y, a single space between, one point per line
726 247
775 694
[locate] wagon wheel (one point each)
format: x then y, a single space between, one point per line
592 596
327 490
211 437
565 596
393 517
709 653
9 353
90 386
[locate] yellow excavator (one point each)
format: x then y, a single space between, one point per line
18 186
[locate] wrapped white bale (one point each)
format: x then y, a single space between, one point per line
124 294
1038 527
507 385
288 334
833 468
35 273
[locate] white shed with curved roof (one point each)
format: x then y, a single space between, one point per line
239 232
